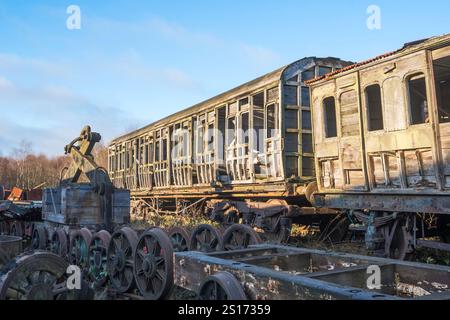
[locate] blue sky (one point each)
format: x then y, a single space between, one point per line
133 62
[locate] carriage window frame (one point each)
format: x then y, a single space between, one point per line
368 107
414 77
325 118
276 117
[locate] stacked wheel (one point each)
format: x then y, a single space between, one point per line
59 243
98 258
221 286
39 238
153 264
205 238
39 276
120 259
239 236
79 247
179 238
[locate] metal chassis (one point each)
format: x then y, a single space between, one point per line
265 283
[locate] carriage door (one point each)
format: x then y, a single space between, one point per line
441 69
350 143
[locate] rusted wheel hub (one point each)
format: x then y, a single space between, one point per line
205 238
119 261
98 257
149 266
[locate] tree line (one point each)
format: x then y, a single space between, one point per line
27 170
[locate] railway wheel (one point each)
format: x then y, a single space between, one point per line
39 239
98 258
398 240
37 276
120 259
240 236
153 264
79 247
205 238
16 229
179 238
221 286
59 243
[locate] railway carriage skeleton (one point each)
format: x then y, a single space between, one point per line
243 156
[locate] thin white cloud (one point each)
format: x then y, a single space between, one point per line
10 61
5 85
50 116
186 37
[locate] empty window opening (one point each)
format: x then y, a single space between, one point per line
329 111
245 125
374 107
306 120
243 102
272 120
418 99
200 139
231 131
309 74
164 150
305 97
291 95
324 70
157 155
150 153
258 121
210 137
442 83
221 115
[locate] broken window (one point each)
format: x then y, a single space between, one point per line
306 120
418 99
245 125
258 121
309 74
305 97
324 70
442 83
200 139
329 111
157 156
150 153
231 131
164 150
272 120
374 107
290 95
210 137
221 119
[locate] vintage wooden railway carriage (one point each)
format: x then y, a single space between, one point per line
382 144
253 142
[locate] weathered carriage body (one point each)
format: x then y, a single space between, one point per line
216 147
382 133
252 143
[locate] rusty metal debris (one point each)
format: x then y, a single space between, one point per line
272 272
